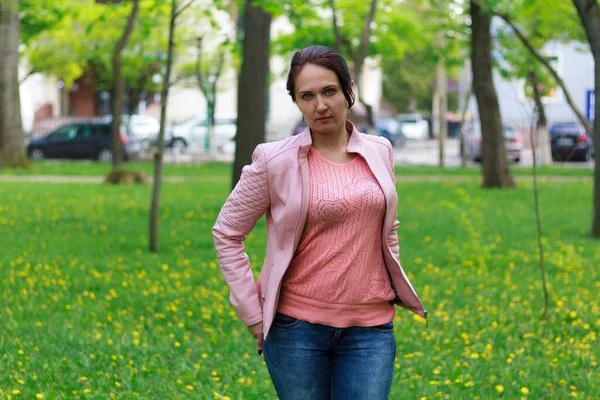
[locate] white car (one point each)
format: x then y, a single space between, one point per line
192 133
512 142
413 126
142 128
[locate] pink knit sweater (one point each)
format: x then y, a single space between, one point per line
337 276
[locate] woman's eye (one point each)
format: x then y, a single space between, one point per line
329 91
306 96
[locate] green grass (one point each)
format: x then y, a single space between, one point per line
91 168
88 312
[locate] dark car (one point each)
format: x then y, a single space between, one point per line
299 127
390 129
81 140
570 142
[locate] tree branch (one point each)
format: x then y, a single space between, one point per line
336 31
27 75
128 28
588 127
198 70
183 7
339 40
366 34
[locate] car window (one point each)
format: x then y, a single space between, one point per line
102 130
66 132
83 132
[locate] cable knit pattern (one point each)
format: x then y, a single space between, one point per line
338 275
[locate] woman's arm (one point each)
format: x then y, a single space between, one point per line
247 202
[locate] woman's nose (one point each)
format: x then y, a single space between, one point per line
321 106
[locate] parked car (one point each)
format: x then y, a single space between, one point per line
413 126
142 128
192 133
512 142
81 140
390 129
570 142
299 127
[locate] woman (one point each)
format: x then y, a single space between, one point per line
323 304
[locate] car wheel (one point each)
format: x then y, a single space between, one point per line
587 156
179 146
105 155
36 155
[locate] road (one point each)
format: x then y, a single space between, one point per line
426 152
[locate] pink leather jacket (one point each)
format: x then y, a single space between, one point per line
276 184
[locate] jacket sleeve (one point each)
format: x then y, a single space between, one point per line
393 234
247 202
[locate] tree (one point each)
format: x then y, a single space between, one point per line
252 86
543 60
494 162
536 22
589 14
357 54
118 89
12 137
176 11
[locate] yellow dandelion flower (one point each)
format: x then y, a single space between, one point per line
525 390
39 396
499 388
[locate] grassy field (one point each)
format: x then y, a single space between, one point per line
91 168
88 312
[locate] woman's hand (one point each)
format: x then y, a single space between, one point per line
256 331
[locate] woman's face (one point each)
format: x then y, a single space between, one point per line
320 98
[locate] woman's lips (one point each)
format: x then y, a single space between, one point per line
323 119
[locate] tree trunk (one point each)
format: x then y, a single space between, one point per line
589 13
542 142
158 156
12 137
494 164
118 89
252 87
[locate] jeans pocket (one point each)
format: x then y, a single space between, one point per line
285 321
383 328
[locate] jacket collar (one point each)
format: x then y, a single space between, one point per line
354 143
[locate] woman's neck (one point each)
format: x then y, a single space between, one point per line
332 142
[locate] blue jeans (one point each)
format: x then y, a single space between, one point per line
317 362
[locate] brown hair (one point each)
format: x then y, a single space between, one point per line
324 57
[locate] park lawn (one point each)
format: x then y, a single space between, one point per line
92 168
88 312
